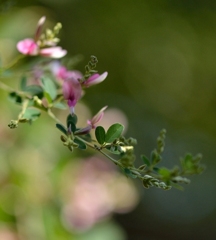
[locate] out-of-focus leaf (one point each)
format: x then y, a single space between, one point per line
14 97
145 160
49 88
60 105
61 128
31 114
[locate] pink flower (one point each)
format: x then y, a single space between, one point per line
72 92
92 122
53 52
28 47
33 47
95 79
61 72
96 118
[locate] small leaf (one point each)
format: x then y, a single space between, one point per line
129 173
81 144
165 174
61 128
100 134
14 97
145 160
23 83
31 114
60 105
71 118
114 132
49 87
34 90
71 122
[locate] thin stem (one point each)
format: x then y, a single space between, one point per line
15 61
6 87
99 150
51 114
24 106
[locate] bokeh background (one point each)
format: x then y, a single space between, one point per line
161 59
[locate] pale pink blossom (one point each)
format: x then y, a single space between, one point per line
53 52
95 79
95 194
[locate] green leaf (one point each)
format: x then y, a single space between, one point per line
165 174
14 97
129 173
145 160
23 83
114 132
49 88
60 105
100 134
81 144
34 90
71 122
31 114
71 118
155 157
61 128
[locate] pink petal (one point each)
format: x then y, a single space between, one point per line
27 47
39 27
95 79
72 92
97 117
53 52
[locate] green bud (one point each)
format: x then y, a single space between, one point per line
13 124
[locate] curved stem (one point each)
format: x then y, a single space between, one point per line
15 61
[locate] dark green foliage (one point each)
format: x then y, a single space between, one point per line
100 134
61 128
81 144
71 122
13 96
114 132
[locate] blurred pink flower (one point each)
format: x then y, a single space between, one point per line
61 72
95 194
32 47
28 47
95 79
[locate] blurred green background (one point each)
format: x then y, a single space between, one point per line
161 57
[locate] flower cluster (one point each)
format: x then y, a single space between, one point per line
73 83
44 45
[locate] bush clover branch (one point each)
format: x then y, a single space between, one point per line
56 87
